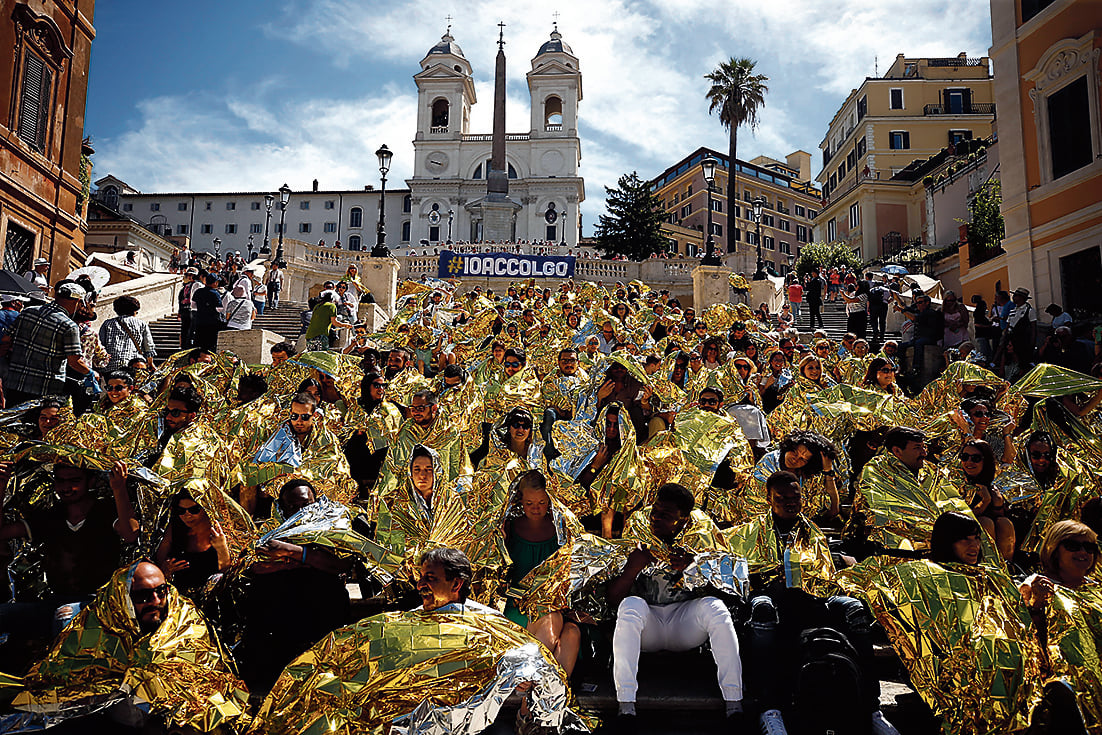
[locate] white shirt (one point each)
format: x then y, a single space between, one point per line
1018 312
239 313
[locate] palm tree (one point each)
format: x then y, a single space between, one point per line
737 92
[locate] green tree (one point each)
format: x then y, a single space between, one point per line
737 93
631 227
825 255
987 229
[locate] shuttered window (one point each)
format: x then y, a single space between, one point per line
34 101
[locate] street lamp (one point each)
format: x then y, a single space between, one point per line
268 200
708 165
757 203
451 216
217 242
284 197
380 250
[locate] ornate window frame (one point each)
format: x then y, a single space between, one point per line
1065 62
39 35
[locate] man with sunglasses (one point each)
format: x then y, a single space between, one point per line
607 338
559 393
711 400
425 426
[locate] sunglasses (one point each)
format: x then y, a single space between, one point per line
511 364
300 416
380 386
709 402
143 596
886 370
188 510
521 425
981 415
117 388
177 412
1038 455
971 457
1075 546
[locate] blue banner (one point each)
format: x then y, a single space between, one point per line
505 265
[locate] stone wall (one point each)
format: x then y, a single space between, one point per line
158 294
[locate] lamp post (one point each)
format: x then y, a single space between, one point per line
268 200
284 197
708 165
217 243
757 203
451 216
380 250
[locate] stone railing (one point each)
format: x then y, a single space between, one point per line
157 293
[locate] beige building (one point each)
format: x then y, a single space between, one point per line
917 108
791 202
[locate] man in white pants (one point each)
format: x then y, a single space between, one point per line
655 613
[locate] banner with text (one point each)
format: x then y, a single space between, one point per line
505 265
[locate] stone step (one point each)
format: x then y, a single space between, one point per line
285 321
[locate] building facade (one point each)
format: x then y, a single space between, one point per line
791 202
240 219
451 163
45 46
917 108
1047 86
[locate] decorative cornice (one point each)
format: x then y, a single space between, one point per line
42 32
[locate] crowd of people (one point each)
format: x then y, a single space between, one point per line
540 487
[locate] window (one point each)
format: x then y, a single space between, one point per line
434 233
304 227
832 230
833 181
717 205
127 207
956 136
1030 8
356 217
767 219
738 235
154 206
280 229
231 229
841 170
862 108
737 211
406 231
181 229
746 196
552 233
330 204
330 227
851 158
812 213
801 233
689 191
34 100
958 101
854 215
784 225
552 117
231 206
255 228
768 242
896 98
717 230
208 205
800 211
254 206
785 248
687 210
861 146
407 204
354 242
181 207
751 237
1069 128
440 116
206 229
899 140
304 204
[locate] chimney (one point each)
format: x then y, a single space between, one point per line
315 186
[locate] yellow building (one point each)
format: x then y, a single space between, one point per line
791 202
1046 57
912 112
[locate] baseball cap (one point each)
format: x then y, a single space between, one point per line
192 271
70 291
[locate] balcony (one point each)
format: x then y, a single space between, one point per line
552 128
438 129
956 61
976 108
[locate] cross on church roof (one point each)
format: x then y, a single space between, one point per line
448 18
555 15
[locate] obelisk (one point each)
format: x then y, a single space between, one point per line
497 209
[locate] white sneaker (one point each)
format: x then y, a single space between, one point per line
881 726
772 723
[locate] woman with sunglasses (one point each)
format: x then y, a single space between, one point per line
194 547
975 421
880 377
977 475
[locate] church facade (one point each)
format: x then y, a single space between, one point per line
451 164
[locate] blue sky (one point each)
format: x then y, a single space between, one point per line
244 95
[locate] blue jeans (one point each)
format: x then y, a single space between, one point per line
259 304
796 308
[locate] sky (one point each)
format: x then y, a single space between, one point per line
244 95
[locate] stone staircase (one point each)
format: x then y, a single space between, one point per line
834 321
285 321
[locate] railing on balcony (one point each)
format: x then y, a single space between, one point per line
553 128
956 61
485 138
436 129
980 252
976 108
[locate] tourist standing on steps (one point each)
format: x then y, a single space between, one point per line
795 296
813 292
275 285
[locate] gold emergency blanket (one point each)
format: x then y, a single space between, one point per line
181 669
808 564
415 672
1074 622
964 636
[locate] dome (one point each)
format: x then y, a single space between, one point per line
447 45
555 45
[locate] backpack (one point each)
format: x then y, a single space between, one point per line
878 296
829 688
